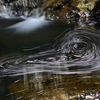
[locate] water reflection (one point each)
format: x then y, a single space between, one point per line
29 24
14 40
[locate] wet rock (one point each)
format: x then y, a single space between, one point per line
60 9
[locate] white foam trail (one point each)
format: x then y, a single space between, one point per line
29 24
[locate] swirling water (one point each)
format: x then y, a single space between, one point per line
77 52
73 51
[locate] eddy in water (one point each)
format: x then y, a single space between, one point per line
77 52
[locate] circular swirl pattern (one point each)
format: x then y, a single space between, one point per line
82 48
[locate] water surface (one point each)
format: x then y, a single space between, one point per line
49 59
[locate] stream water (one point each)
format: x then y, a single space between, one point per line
49 60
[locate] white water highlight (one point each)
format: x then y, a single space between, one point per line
6 12
29 24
